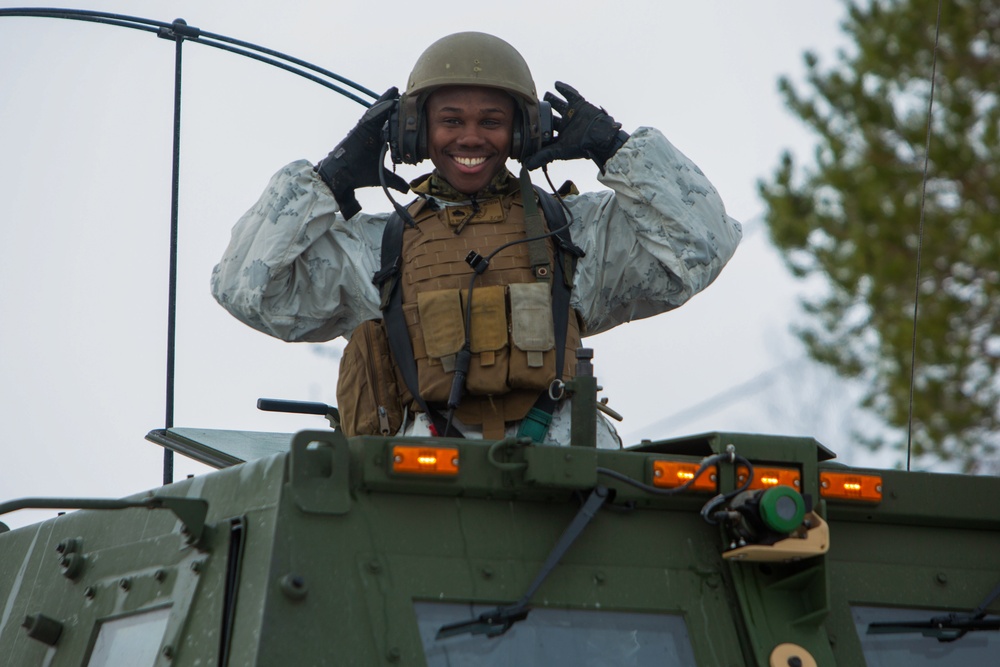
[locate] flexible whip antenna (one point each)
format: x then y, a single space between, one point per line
920 239
179 32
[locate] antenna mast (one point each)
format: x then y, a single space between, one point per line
920 239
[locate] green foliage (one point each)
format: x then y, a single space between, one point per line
853 216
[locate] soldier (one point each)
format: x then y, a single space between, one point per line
464 310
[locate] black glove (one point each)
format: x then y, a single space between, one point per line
583 131
355 162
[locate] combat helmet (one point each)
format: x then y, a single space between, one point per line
469 59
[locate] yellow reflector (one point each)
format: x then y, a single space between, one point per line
851 486
766 477
670 474
417 460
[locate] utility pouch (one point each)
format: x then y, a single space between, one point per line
439 326
532 354
487 340
368 396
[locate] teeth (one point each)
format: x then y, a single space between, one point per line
470 161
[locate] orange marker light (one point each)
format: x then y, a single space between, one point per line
417 460
767 477
671 474
851 486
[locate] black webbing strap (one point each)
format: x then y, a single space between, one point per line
566 249
387 280
534 229
564 265
498 621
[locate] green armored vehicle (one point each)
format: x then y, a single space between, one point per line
716 550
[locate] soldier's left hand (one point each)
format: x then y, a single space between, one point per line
582 130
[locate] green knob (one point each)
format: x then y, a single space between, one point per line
782 509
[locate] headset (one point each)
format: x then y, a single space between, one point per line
407 129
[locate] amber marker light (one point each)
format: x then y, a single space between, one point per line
851 486
417 460
766 477
671 474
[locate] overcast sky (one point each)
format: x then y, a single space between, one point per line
85 162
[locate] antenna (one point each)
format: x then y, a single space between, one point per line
920 240
179 31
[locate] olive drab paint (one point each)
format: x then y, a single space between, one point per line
317 549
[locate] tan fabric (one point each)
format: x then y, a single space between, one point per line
369 395
513 355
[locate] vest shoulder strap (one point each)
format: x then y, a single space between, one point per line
566 251
537 421
400 347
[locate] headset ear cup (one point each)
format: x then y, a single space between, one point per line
524 139
392 129
409 145
543 123
517 137
420 140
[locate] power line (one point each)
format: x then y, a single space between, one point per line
724 398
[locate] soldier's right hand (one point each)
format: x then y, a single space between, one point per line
354 162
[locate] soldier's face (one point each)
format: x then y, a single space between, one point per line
469 131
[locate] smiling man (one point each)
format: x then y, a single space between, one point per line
463 311
469 132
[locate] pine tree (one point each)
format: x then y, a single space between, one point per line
852 216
